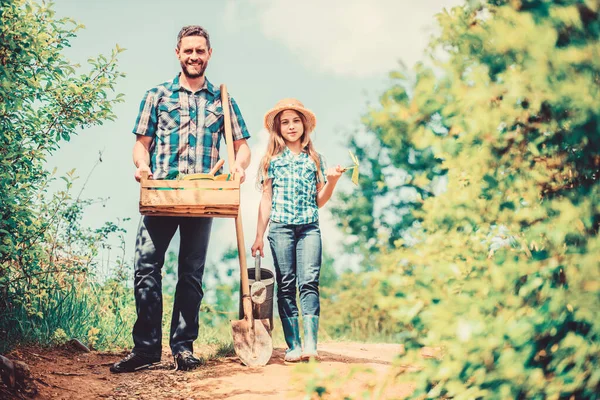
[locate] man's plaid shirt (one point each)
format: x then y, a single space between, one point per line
294 188
187 128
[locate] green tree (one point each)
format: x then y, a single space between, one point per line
396 174
503 274
44 99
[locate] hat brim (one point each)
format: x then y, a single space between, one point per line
311 119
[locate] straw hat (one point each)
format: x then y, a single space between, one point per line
290 104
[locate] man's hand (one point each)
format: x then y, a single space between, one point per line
238 170
141 155
138 171
242 158
334 174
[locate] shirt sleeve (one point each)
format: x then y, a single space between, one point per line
238 125
270 171
146 121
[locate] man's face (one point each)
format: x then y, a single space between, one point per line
193 55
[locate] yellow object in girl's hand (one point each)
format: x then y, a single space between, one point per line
355 176
354 167
354 159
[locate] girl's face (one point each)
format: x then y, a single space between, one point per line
291 126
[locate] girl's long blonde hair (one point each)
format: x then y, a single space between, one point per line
276 146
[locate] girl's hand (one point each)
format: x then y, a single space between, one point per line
258 245
333 174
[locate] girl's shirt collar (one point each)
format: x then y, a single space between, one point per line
287 154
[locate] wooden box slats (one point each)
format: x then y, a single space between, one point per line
201 198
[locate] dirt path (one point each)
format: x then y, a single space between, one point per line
62 374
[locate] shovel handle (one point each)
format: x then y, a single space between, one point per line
245 289
245 285
227 126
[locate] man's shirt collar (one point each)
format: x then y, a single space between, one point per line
176 85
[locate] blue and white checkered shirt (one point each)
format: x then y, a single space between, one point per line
187 128
294 188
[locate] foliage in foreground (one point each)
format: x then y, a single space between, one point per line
503 272
47 259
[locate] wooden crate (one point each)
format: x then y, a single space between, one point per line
199 198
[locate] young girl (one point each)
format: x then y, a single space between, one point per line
294 186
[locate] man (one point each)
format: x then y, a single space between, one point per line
178 131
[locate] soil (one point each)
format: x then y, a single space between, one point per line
351 368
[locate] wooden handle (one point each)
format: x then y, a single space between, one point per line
245 286
228 134
239 230
217 166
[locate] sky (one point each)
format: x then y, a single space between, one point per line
334 56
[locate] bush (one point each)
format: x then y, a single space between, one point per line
46 257
502 272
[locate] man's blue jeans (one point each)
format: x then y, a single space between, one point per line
154 236
297 257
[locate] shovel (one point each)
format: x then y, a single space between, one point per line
251 340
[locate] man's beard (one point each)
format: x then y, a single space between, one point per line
193 75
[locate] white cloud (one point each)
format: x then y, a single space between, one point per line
353 38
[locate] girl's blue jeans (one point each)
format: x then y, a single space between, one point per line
296 253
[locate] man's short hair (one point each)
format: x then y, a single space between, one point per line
193 30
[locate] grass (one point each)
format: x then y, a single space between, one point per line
101 316
225 350
94 314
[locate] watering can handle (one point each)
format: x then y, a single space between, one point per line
257 267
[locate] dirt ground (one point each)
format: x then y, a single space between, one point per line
67 374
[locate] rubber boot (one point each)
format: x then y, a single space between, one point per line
291 331
311 330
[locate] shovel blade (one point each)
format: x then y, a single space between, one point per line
253 346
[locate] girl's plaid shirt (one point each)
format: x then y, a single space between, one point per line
294 188
187 128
